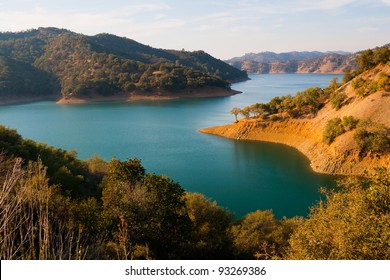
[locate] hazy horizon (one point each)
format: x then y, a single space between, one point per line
225 29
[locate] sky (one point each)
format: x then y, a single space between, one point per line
223 28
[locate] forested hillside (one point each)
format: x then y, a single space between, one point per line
48 61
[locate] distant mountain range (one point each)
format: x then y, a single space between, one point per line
295 62
57 63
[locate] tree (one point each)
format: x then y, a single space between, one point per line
381 55
235 111
254 231
145 209
333 86
170 221
256 110
274 104
245 112
347 76
352 223
210 222
366 60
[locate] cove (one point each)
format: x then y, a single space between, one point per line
242 176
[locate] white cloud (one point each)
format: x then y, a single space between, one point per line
387 2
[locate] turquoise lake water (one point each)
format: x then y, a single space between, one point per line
242 176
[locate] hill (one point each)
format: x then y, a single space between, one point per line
295 62
343 129
277 57
57 63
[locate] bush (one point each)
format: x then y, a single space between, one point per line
255 230
210 223
384 82
358 83
333 128
347 76
350 224
349 122
372 137
337 99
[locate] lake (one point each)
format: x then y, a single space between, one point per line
242 176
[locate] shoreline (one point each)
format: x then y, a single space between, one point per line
11 101
300 135
209 92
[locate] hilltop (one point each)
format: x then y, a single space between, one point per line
56 63
295 62
343 129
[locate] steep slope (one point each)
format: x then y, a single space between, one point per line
198 60
331 63
343 155
19 81
110 67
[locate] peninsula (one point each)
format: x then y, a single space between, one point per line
343 129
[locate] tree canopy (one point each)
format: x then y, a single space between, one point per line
51 61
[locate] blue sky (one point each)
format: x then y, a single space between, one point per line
223 28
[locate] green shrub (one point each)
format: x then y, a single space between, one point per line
384 82
372 87
332 129
347 76
349 122
337 99
372 137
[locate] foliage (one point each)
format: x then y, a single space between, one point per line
336 99
372 137
332 87
32 220
64 168
20 80
371 58
383 82
311 100
259 235
235 111
139 215
366 60
333 128
338 126
307 102
349 123
353 223
209 238
146 207
48 61
347 76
